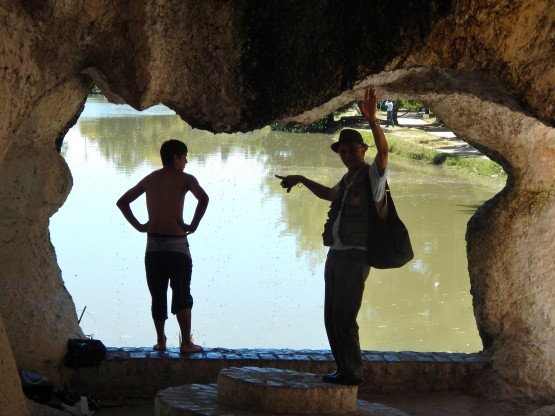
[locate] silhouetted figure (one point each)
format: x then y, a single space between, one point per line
167 257
346 233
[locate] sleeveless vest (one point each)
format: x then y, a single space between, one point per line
358 212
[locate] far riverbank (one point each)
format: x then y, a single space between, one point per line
429 141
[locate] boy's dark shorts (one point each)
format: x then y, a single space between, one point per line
163 267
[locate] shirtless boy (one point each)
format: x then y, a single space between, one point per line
167 257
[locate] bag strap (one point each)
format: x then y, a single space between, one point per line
391 210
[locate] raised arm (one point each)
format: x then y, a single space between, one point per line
124 204
321 191
368 110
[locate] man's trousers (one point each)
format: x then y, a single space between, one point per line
345 274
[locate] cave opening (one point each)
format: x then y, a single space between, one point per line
112 146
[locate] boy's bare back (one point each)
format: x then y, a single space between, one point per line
165 196
165 191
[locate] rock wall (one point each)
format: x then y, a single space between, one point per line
486 68
12 400
39 106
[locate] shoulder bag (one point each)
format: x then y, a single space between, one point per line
389 246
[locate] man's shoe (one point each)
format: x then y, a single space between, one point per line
342 379
329 376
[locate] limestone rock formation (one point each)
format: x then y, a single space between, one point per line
486 68
12 401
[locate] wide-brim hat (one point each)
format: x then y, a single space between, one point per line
348 135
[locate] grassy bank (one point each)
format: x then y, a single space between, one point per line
421 146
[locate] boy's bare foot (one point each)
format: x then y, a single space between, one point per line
189 348
161 346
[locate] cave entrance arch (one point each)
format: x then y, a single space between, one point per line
111 146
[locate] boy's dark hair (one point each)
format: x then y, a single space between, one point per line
171 148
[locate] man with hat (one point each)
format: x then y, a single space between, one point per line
346 232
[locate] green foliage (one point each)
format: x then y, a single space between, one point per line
326 124
410 105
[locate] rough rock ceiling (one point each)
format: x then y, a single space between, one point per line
239 65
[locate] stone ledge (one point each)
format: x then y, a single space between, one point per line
138 353
142 372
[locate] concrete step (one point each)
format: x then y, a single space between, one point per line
283 391
248 391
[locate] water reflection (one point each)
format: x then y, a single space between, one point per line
258 256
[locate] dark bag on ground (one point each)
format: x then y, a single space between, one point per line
84 353
36 386
389 245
